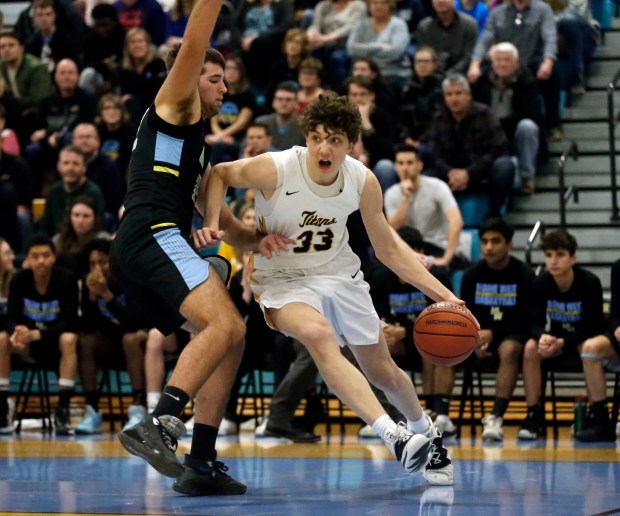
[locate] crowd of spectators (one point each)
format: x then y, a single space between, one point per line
456 98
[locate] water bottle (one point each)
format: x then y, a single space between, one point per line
580 410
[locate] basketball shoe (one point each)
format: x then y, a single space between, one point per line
439 470
492 428
154 439
207 478
412 450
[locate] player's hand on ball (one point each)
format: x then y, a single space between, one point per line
273 244
207 237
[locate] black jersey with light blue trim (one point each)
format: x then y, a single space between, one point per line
165 171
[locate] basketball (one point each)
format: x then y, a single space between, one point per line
445 334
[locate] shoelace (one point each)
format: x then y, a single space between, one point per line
171 429
401 434
438 453
170 442
219 466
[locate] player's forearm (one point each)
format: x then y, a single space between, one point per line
215 195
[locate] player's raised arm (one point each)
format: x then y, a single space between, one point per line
178 101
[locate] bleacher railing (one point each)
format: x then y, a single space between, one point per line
571 191
539 227
612 119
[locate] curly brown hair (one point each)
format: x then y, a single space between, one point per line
333 112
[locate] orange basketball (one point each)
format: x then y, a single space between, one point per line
445 334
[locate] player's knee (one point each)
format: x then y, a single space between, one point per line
383 379
68 341
531 351
315 334
510 352
5 345
593 346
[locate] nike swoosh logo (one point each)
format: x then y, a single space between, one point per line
173 397
291 193
353 275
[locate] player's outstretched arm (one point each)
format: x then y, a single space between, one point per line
178 96
392 250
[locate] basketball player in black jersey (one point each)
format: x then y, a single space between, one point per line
154 262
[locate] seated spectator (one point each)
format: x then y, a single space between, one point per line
7 270
384 94
310 77
82 225
237 111
142 73
157 347
247 215
427 205
470 148
332 22
111 326
25 83
68 17
116 131
384 37
529 26
257 140
58 114
377 125
286 69
101 170
43 322
176 21
295 378
422 98
498 291
73 183
15 196
451 34
48 43
103 51
10 142
283 124
512 94
262 25
477 9
598 353
142 14
577 42
567 310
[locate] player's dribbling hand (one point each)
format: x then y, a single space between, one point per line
273 243
207 237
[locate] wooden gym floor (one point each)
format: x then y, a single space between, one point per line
42 474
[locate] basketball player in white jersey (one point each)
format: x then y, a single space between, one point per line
316 292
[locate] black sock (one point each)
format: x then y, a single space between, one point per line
203 442
500 405
442 404
172 402
92 399
599 408
429 402
64 397
139 397
4 402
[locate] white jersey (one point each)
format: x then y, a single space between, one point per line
318 224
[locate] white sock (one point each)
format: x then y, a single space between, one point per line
382 425
420 426
152 398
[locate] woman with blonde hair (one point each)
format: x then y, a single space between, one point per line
142 72
116 130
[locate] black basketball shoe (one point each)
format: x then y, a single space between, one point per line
207 478
154 439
